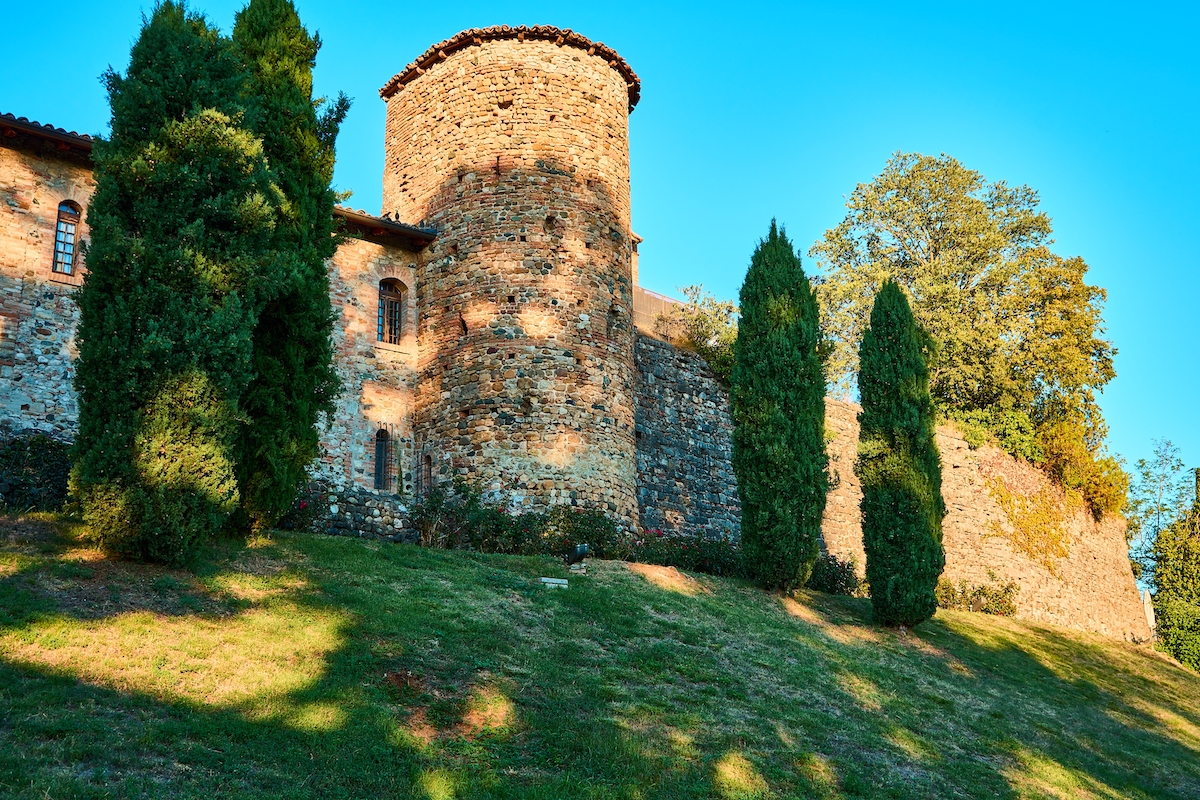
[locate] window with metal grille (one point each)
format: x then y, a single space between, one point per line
384 460
64 237
390 326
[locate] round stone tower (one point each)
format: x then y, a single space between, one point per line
514 144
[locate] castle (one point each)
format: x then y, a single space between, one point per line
490 326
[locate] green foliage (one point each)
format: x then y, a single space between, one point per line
1177 624
1017 333
706 326
898 464
778 400
1011 431
710 555
1160 495
992 597
184 487
294 379
463 518
1099 478
181 220
33 472
832 575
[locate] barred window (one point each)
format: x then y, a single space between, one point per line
390 326
64 237
384 460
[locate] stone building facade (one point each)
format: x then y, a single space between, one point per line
490 326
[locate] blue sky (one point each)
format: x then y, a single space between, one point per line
757 110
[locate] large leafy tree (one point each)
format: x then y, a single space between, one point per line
778 396
181 220
1019 337
898 464
294 378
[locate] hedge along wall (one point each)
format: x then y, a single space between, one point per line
1072 570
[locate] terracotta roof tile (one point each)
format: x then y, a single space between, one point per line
25 125
475 36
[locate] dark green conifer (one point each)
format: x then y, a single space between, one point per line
294 378
778 394
898 464
181 217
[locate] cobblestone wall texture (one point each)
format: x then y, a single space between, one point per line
37 315
684 443
1094 589
518 153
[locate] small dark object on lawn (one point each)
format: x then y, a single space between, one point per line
578 554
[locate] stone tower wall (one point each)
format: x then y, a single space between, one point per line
517 152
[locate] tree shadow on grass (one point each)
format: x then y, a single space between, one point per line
1052 712
417 673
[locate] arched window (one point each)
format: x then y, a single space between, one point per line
383 459
426 474
64 237
390 326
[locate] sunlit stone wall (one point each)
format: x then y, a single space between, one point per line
37 315
517 152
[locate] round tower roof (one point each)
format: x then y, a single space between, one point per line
549 33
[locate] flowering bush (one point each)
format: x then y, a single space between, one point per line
303 512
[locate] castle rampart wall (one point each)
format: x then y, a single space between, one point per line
517 152
37 315
686 483
684 444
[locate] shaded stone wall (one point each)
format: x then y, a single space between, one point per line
684 443
517 152
1094 589
37 315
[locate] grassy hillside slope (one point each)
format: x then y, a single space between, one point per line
309 666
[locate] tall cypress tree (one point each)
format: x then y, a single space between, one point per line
294 378
898 464
778 394
181 217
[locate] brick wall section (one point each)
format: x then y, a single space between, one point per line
1094 591
37 314
684 443
518 154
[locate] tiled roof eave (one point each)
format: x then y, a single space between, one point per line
477 36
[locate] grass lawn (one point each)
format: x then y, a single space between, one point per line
311 666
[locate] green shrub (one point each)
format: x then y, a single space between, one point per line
305 508
832 575
184 487
33 473
991 598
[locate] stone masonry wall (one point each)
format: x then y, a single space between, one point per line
37 315
684 443
1094 589
378 378
517 152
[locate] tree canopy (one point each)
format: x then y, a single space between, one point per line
1018 336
